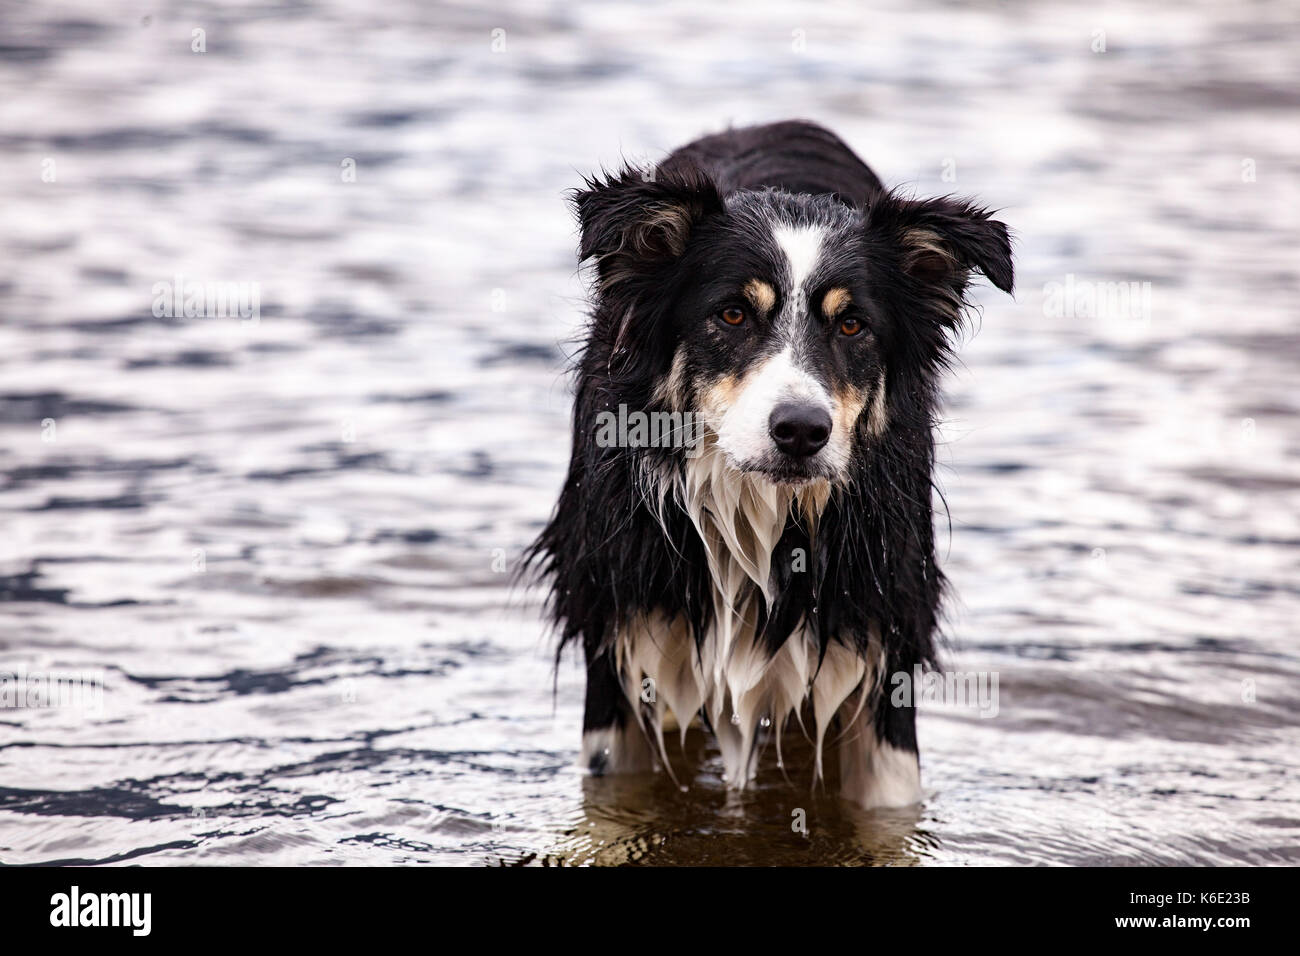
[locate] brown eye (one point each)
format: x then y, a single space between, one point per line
732 316
850 326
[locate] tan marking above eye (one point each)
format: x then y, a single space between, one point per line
834 301
761 294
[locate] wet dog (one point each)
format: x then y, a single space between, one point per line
745 534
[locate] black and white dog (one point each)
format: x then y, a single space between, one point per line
787 319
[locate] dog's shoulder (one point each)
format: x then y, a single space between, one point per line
795 155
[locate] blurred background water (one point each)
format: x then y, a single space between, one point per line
286 543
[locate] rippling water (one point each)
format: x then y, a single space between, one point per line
285 544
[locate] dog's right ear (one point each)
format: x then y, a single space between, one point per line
633 224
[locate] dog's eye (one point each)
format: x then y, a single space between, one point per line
850 326
732 316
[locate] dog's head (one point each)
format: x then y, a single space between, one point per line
788 322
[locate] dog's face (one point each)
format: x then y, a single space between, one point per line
778 336
775 317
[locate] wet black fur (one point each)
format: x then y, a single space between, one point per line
656 246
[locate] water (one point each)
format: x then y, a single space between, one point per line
282 543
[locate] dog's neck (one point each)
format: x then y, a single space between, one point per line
735 677
739 516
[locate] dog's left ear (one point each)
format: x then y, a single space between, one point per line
634 224
943 240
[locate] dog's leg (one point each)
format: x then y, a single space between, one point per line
612 740
879 765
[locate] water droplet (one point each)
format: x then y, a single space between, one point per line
735 718
766 721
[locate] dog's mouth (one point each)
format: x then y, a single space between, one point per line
784 470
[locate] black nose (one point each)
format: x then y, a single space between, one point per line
800 430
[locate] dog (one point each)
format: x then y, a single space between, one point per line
769 552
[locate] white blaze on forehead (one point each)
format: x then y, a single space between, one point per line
802 246
782 377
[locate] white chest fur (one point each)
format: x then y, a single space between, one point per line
744 691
